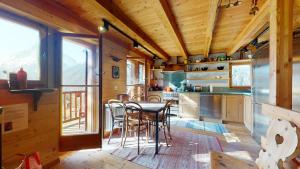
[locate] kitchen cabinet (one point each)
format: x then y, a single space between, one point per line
156 93
248 113
189 105
234 108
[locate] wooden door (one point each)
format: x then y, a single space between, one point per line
81 92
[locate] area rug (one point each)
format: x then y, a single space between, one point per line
199 125
187 150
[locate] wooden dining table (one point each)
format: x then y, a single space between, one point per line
154 108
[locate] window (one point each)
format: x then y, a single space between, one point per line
141 74
130 73
241 75
20 48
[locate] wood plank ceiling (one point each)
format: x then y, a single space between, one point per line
172 27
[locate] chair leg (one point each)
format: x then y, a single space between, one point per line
169 125
165 136
122 134
111 132
126 130
169 132
147 134
79 121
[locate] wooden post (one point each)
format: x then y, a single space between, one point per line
146 79
281 52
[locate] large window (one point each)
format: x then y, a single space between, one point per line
20 48
141 74
130 73
241 75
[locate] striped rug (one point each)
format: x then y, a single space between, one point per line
186 150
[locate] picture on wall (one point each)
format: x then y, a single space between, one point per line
115 72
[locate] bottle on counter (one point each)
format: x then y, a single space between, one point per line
211 88
22 79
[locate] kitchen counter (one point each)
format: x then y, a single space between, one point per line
222 93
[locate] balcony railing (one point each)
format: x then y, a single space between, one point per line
73 106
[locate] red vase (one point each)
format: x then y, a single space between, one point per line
22 79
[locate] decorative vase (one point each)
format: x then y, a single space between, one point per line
22 79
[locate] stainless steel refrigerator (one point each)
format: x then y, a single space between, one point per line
260 90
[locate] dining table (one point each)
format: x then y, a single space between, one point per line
154 108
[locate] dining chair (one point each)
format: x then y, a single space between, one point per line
137 98
123 97
163 120
117 111
134 119
154 99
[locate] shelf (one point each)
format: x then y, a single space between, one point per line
201 71
226 61
36 94
214 62
207 79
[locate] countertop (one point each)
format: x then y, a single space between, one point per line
222 93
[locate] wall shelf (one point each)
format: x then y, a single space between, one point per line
36 94
207 79
213 62
226 61
201 71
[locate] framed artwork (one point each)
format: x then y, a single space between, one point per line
115 72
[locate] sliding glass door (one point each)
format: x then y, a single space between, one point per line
80 105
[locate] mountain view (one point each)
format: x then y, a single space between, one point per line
28 59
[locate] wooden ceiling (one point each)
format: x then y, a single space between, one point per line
166 27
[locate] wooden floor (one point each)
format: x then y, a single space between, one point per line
236 142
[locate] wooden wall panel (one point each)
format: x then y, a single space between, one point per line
112 87
43 129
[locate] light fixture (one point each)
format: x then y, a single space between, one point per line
229 4
254 8
105 26
237 3
135 44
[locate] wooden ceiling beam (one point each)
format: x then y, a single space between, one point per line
135 51
163 10
50 14
117 17
212 17
251 30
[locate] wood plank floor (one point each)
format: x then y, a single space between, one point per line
236 142
186 150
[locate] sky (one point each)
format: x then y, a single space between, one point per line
15 37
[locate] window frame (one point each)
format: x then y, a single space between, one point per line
43 53
230 74
139 73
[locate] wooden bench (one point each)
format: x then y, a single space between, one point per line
279 147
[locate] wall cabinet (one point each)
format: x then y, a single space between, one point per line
248 113
233 110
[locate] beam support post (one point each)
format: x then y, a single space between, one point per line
281 52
